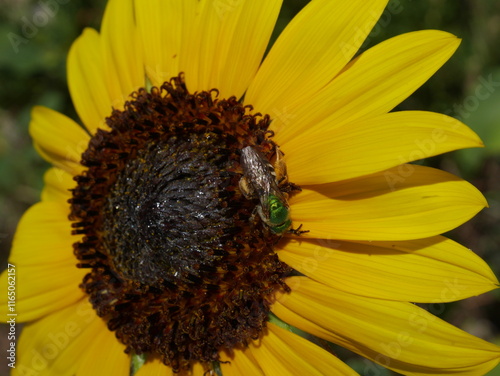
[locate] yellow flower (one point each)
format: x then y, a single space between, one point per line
180 251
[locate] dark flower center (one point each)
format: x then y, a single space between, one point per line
180 265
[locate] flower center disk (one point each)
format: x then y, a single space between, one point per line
180 266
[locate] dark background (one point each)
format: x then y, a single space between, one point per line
34 73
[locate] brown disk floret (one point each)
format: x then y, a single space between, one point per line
179 266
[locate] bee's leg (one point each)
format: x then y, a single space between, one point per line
279 172
290 187
297 231
261 214
282 175
256 213
280 167
246 189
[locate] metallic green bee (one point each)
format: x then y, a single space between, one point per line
261 180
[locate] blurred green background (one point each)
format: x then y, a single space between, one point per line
33 72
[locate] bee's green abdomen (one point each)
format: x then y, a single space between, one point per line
278 215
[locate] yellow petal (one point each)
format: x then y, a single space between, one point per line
121 51
57 186
281 352
407 202
195 370
246 28
155 367
313 49
241 362
427 270
374 83
104 355
54 345
46 273
86 80
58 139
161 25
200 37
397 335
103 70
373 144
226 43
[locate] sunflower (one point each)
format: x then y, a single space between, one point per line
223 214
